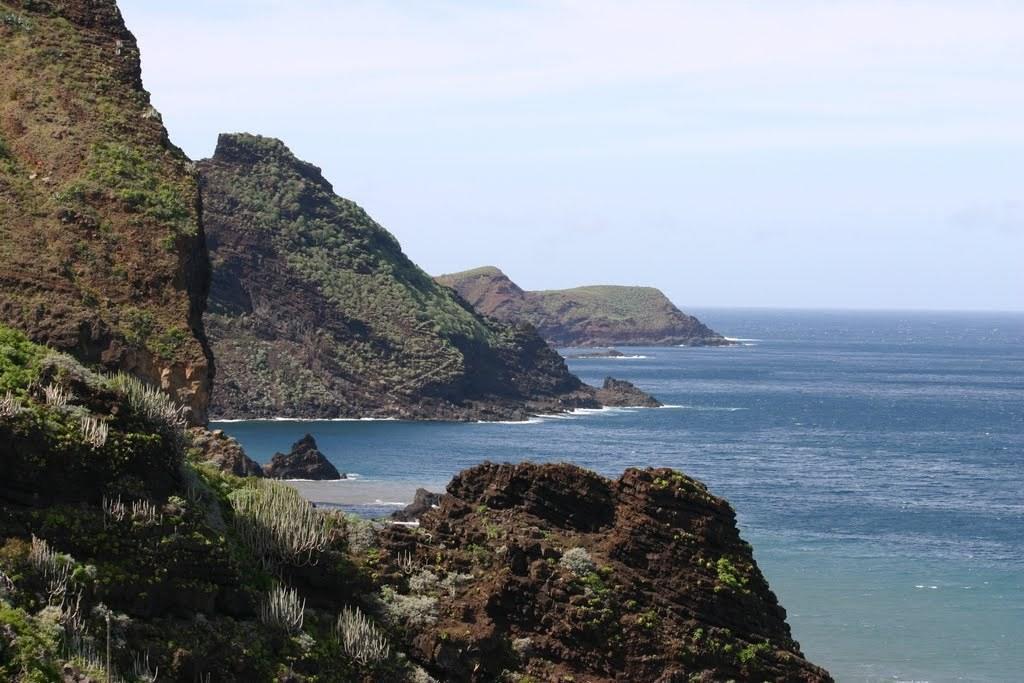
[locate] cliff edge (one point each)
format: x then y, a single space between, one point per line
600 315
316 312
102 252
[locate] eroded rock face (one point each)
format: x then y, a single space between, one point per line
619 393
224 452
578 577
304 461
102 252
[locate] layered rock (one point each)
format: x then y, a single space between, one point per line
619 393
601 315
303 461
316 312
577 577
101 248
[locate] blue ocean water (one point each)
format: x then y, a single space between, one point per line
875 460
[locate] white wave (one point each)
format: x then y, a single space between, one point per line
349 477
741 339
306 419
395 523
389 503
532 420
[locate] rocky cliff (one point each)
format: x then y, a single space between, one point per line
585 316
114 535
101 247
316 312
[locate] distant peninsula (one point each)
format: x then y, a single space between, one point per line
599 315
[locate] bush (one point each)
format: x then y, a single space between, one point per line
360 639
282 608
278 524
577 561
409 611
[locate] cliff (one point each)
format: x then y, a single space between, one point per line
316 312
602 315
101 247
109 525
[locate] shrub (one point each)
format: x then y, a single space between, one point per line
94 431
278 524
20 361
283 608
10 405
577 561
360 639
729 574
56 396
152 405
409 611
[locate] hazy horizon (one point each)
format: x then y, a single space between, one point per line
800 155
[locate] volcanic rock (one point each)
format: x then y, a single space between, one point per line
619 393
304 461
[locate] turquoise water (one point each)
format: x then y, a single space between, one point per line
876 463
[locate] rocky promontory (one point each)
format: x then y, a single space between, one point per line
303 461
557 574
316 312
601 315
618 393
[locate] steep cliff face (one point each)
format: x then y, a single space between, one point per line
571 576
584 316
101 247
316 312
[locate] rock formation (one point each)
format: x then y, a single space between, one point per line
101 248
585 316
571 576
304 461
316 312
619 393
422 501
223 452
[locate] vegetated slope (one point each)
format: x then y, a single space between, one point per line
316 312
101 248
600 315
523 572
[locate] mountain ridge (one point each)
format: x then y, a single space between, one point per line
315 311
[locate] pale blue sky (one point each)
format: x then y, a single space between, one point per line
797 154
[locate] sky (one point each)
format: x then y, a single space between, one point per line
741 154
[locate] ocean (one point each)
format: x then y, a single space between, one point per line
875 461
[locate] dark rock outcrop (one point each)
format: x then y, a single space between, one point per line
577 577
304 461
316 312
422 501
610 353
102 252
619 393
224 452
602 315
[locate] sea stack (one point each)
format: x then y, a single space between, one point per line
304 461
